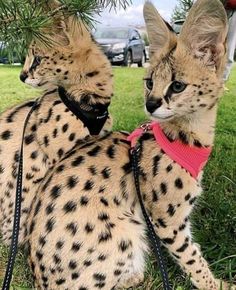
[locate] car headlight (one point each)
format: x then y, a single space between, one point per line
118 46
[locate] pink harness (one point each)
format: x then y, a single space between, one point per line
192 158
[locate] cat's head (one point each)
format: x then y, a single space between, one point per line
185 74
72 60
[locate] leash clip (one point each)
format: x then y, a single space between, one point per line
146 127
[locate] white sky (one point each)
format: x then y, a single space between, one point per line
133 15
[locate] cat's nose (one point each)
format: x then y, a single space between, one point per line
153 104
23 76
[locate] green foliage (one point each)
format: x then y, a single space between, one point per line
214 218
181 9
145 38
23 20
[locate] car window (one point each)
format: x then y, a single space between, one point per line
110 33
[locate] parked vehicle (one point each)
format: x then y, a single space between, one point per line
121 45
177 25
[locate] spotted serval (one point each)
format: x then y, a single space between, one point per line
80 68
86 229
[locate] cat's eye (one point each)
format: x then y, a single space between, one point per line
149 84
37 59
36 62
178 87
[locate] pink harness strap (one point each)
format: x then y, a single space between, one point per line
192 158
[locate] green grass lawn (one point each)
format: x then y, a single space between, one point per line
214 220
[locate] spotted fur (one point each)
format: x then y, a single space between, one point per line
81 68
86 230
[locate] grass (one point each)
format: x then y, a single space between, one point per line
214 219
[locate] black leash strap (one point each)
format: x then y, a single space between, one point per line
153 237
16 222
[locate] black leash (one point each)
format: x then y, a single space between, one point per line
155 241
16 222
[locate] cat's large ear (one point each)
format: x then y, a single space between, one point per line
65 30
55 30
161 36
204 32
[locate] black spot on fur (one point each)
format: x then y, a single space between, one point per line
60 281
187 197
190 262
106 172
156 160
60 152
39 255
76 247
79 160
127 167
50 224
87 263
92 74
183 137
72 228
168 241
104 236
84 200
59 245
92 169
72 265
111 151
34 155
89 228
65 128
161 223
70 206
55 191
154 196
94 152
60 168
124 245
54 133
183 247
192 200
99 276
163 188
88 185
75 276
37 207
103 216
50 208
48 116
6 135
179 183
72 181
171 210
29 139
72 137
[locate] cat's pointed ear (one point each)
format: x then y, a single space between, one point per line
160 34
204 32
66 30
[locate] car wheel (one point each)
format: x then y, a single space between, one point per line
142 61
128 60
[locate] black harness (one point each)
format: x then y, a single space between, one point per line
93 116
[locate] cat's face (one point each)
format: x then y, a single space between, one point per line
177 86
184 78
